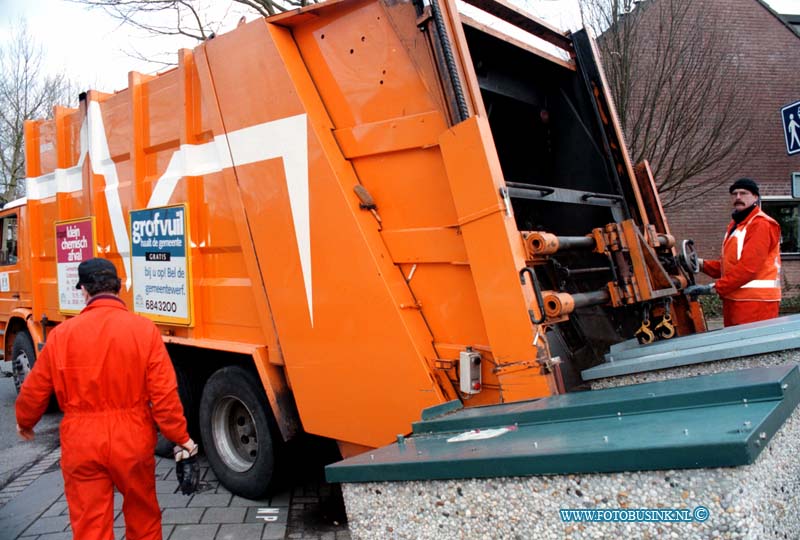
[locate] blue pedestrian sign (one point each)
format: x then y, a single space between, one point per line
791 127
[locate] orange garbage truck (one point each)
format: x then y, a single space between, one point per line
343 214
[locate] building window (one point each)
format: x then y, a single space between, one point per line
787 213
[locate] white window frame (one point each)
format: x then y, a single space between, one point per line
788 200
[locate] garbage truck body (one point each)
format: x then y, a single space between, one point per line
341 215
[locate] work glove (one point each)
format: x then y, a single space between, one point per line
696 290
186 467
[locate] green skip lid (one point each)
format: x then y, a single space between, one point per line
720 420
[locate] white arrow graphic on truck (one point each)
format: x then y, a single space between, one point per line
285 138
100 158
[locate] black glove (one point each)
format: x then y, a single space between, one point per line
188 472
695 290
187 469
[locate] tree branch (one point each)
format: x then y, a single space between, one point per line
677 90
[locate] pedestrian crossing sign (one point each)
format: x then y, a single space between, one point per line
790 115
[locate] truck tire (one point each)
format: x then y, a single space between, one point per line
187 391
23 356
189 394
163 446
236 427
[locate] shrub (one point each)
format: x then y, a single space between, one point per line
712 305
790 305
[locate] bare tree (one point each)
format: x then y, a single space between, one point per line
26 92
190 18
676 84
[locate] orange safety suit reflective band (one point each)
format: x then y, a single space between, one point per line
113 378
751 263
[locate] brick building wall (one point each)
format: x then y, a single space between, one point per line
769 56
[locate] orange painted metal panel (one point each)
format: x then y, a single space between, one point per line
404 174
344 337
428 245
497 254
410 188
413 131
360 64
46 148
365 310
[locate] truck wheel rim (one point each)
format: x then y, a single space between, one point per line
234 432
23 365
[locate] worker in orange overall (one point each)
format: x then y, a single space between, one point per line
112 378
749 273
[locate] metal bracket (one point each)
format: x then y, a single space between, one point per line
537 291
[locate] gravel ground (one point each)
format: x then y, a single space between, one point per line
757 501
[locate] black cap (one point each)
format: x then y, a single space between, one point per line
91 269
745 183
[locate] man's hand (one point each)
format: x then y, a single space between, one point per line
695 290
186 467
25 433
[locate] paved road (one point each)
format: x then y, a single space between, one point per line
308 510
32 504
17 455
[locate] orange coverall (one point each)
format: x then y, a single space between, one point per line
112 377
759 254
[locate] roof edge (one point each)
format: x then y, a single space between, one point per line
781 19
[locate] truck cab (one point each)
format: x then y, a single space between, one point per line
15 289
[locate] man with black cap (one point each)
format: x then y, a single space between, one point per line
112 378
749 272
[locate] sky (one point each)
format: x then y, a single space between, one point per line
93 49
